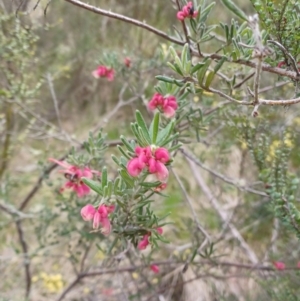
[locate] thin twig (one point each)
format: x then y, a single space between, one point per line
123 18
94 9
26 259
251 255
220 176
250 267
292 59
190 204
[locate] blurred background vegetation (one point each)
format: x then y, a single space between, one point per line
50 102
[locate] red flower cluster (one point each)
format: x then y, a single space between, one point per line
99 216
74 175
166 104
143 244
154 159
103 71
187 12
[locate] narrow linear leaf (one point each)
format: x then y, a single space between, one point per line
127 144
205 12
165 79
96 186
236 10
125 176
154 127
142 124
202 71
220 63
197 67
123 152
104 177
165 133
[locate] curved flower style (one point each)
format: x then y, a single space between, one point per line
74 175
143 244
153 160
187 12
99 216
166 104
103 71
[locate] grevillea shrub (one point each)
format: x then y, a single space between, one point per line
190 178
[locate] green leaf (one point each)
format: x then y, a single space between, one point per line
236 10
126 177
109 188
96 186
123 152
142 124
154 127
173 52
165 133
150 184
197 67
177 70
206 12
209 79
220 63
170 139
136 134
202 71
165 79
104 177
184 55
127 144
171 66
145 141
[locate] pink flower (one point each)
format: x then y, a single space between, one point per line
99 216
159 230
166 104
160 187
110 74
154 160
161 154
156 101
155 268
170 106
103 71
162 172
180 16
298 265
74 175
135 167
187 12
279 265
127 62
88 212
143 244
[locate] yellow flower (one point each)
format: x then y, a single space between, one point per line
52 282
154 280
135 275
196 98
272 150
